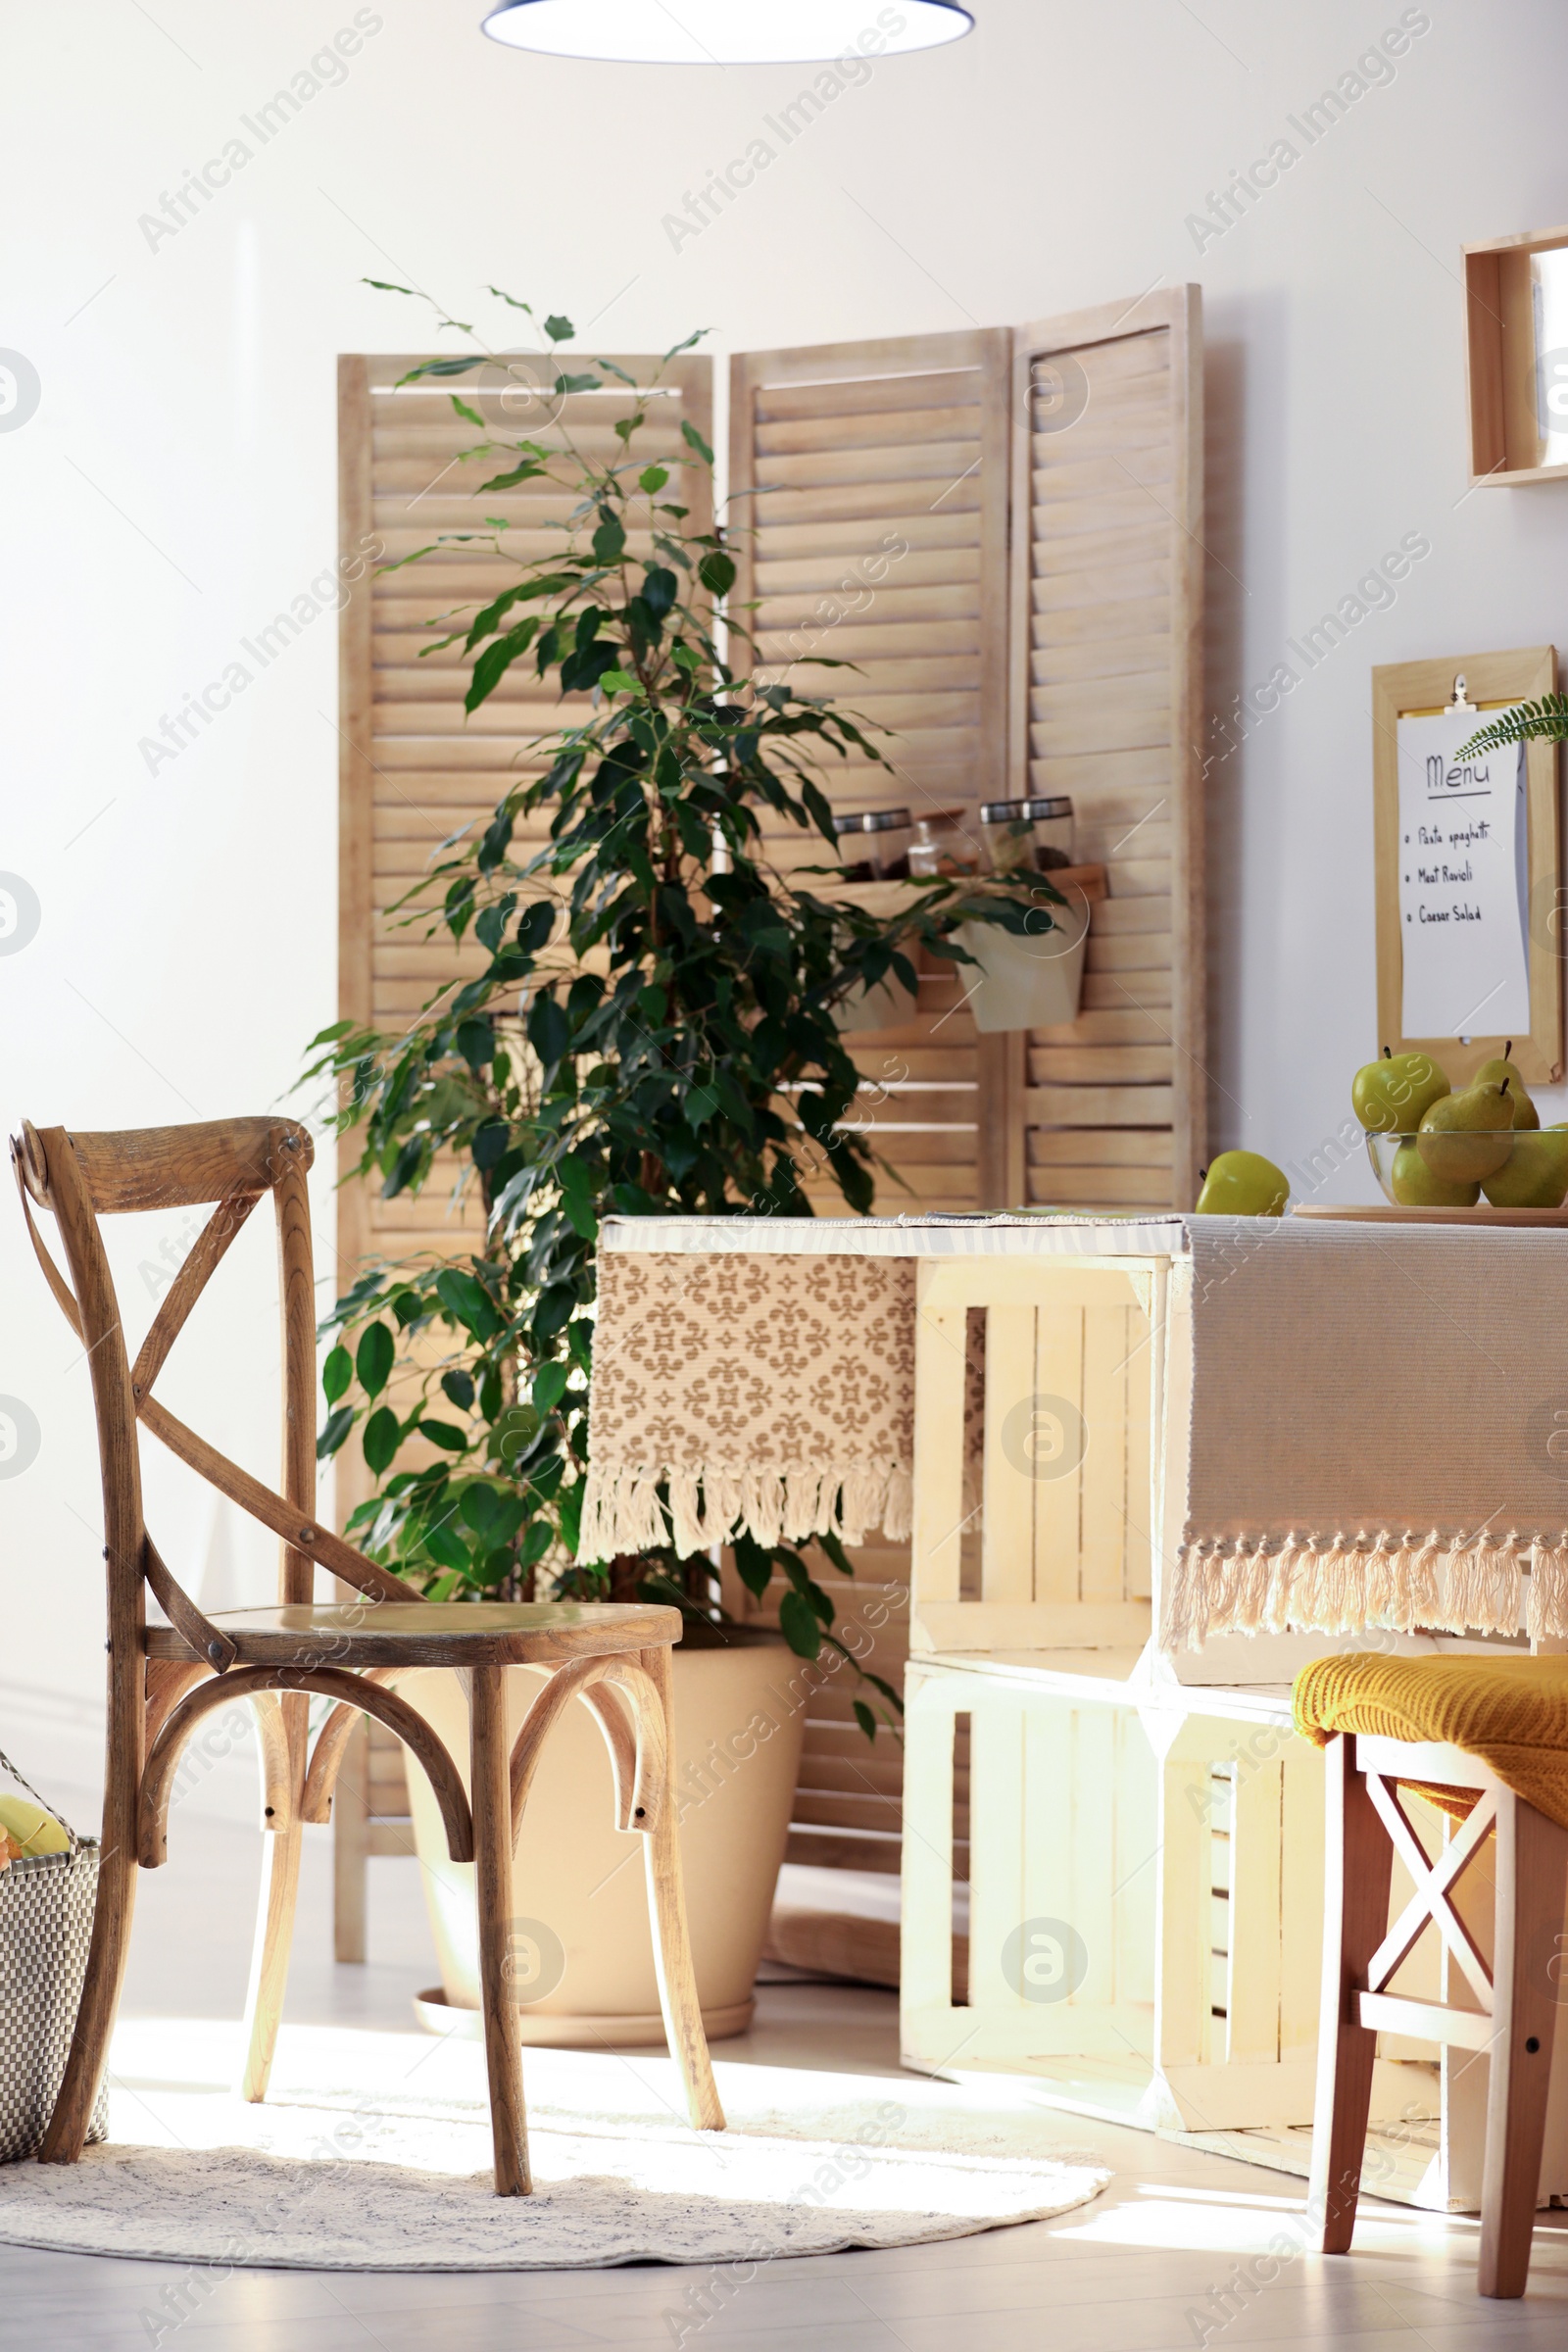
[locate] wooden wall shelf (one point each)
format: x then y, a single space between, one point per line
886 898
1516 327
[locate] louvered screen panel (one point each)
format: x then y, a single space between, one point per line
869 502
1106 605
413 767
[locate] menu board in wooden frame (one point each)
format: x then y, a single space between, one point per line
1405 689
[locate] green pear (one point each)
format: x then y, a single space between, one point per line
35 1831
1391 1096
1535 1174
1415 1186
1494 1071
1464 1137
1243 1183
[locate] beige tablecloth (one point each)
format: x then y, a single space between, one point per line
1378 1429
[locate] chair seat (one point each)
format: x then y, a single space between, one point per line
1510 1712
431 1633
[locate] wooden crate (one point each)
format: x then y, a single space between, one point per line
1156 1855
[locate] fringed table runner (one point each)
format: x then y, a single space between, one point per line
1379 1430
768 1395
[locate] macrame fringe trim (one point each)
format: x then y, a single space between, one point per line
621 1510
1357 1585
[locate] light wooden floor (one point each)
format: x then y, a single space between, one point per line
1160 2262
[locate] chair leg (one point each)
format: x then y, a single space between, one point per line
1359 1866
269 1956
1532 1888
274 1916
67 2134
490 1789
672 1951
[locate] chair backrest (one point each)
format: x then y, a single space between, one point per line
231 1162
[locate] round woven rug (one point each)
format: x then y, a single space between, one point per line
373 2151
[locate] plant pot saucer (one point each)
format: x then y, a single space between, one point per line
553 2030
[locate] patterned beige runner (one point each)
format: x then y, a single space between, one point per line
774 1394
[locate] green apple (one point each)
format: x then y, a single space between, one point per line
1494 1071
1535 1174
34 1831
1464 1137
1391 1096
1415 1186
1243 1183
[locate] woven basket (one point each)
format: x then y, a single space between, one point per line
46 1907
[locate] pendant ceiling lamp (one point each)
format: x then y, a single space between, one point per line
725 33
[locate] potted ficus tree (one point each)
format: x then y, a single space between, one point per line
652 1031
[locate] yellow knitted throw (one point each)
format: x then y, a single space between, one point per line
1510 1712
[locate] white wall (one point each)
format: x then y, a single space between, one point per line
176 486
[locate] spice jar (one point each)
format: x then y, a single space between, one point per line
943 844
1027 834
876 844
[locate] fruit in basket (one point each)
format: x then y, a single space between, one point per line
1535 1174
10 1850
1501 1066
33 1829
1464 1137
1393 1097
1243 1183
1414 1186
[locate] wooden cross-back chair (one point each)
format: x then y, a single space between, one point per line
1507 2008
162 1679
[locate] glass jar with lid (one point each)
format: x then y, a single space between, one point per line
1034 834
874 843
943 843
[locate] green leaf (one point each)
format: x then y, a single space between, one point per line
443 1542
496 660
549 1386
609 540
336 1373
865 1718
445 1434
383 1436
467 1300
375 1358
717 572
457 1389
334 1430
577 1195
797 1623
694 440
478 1508
559 329
651 478
472 416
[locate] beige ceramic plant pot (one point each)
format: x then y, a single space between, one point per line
582 1943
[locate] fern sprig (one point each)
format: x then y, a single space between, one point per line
1545 721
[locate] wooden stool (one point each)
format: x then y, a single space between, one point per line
163 1678
1517 1997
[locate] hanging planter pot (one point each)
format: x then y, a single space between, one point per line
1028 980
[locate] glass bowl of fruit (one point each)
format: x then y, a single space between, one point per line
1433 1146
1506 1167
